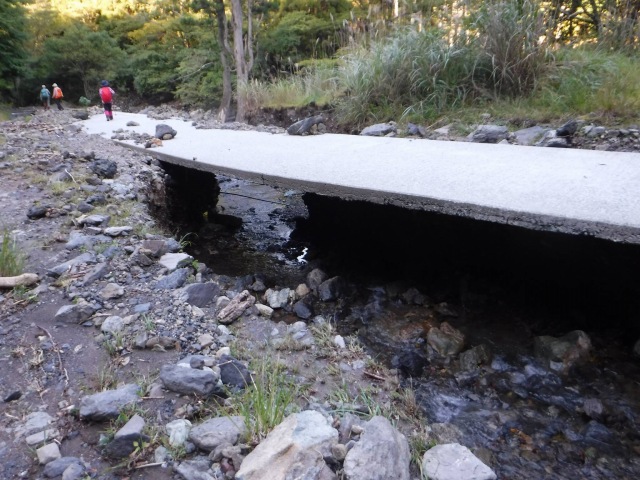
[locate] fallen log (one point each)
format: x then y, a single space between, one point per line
24 279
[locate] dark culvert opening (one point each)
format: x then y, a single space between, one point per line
573 281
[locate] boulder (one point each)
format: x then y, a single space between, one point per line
454 462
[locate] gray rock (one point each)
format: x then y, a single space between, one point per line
551 139
80 114
178 431
277 298
77 313
379 129
303 308
57 467
474 357
304 127
77 240
99 271
112 324
489 134
454 462
294 449
200 294
156 248
118 231
38 211
104 168
48 453
125 439
381 453
163 129
75 471
111 291
84 207
233 372
218 431
331 289
416 130
315 277
93 220
188 380
69 264
564 352
173 280
173 261
196 469
107 405
37 421
529 136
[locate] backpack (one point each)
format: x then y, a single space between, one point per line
106 94
44 93
57 93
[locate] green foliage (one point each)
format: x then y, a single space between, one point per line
81 58
12 259
12 42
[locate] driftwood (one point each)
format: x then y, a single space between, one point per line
24 279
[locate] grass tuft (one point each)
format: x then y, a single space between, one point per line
12 260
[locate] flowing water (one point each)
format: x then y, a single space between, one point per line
500 286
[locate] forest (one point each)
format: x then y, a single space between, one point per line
367 59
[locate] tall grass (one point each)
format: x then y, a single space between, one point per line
511 45
316 84
12 260
411 71
265 402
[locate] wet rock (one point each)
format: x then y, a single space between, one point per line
330 289
471 359
163 130
218 431
104 168
454 462
107 405
593 408
294 449
303 308
443 433
381 453
489 134
188 380
12 396
568 129
315 277
446 340
379 129
80 114
561 354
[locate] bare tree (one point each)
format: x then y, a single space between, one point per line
225 53
243 52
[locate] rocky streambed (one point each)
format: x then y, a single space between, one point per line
130 355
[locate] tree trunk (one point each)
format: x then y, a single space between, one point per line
243 53
225 53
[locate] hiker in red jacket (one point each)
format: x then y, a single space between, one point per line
106 95
57 96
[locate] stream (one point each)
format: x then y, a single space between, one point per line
500 286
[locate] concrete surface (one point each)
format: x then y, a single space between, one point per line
573 191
